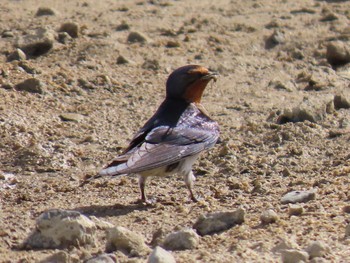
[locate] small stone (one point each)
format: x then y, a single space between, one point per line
268 216
18 54
126 241
160 255
295 210
7 33
298 197
341 102
61 229
275 39
328 15
64 37
37 43
61 256
338 53
347 231
7 86
181 240
217 222
45 11
70 28
346 209
151 64
123 26
32 85
172 44
122 60
103 258
74 117
136 37
294 256
317 249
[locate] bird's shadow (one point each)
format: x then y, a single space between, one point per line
111 210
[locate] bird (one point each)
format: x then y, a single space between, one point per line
172 139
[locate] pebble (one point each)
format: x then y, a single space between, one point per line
7 33
275 39
122 60
346 209
18 54
74 117
136 37
338 53
32 85
294 256
64 37
298 197
126 241
61 257
123 26
268 216
45 11
61 229
70 28
347 231
103 258
341 102
160 255
181 240
37 43
151 64
172 44
216 222
295 210
317 249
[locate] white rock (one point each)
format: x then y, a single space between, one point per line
60 229
317 249
294 256
181 240
268 216
217 222
160 255
298 197
126 241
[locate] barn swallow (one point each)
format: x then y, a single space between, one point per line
172 139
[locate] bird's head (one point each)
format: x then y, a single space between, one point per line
189 82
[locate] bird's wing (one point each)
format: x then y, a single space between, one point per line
162 146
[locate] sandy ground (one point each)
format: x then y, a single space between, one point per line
44 159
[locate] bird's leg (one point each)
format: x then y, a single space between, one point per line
142 184
189 180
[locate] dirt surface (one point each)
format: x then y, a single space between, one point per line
46 154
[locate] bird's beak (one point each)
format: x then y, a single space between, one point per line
211 75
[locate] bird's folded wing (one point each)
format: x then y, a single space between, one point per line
164 146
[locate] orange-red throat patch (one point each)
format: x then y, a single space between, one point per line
195 91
